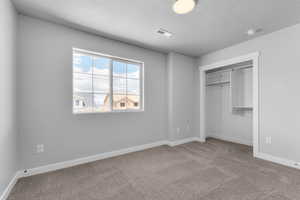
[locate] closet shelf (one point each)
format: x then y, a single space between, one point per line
242 107
218 83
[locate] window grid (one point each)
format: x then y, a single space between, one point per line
111 76
111 85
93 95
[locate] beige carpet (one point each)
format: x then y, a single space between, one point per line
215 170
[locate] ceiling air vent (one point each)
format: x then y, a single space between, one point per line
164 32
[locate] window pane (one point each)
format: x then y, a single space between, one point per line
101 66
82 63
82 82
133 71
133 86
133 102
119 102
119 69
82 102
101 103
101 84
119 85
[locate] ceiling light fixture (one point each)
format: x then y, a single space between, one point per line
184 6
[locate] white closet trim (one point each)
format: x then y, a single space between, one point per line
254 57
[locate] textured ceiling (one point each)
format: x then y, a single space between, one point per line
213 25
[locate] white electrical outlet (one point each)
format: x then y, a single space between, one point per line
188 126
268 140
296 164
40 148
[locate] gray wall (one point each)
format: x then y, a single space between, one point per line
8 147
181 96
279 88
45 97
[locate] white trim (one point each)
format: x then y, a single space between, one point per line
79 161
230 139
113 58
254 57
10 186
71 163
278 160
202 104
106 55
66 164
198 139
183 141
231 61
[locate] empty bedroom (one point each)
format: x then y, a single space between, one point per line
149 100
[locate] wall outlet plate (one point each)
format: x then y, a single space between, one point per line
40 148
297 164
268 140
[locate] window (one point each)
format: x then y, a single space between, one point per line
122 104
103 83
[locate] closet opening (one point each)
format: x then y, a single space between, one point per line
229 101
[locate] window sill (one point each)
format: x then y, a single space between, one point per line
110 112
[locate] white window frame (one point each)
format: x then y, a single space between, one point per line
113 58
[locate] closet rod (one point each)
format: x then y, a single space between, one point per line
218 83
242 67
232 69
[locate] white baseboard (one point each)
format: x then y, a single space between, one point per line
198 139
281 161
231 139
10 186
71 163
183 141
263 156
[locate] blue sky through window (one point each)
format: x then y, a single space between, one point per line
120 69
83 63
102 63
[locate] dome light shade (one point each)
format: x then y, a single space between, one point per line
184 6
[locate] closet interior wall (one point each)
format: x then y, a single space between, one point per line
229 103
